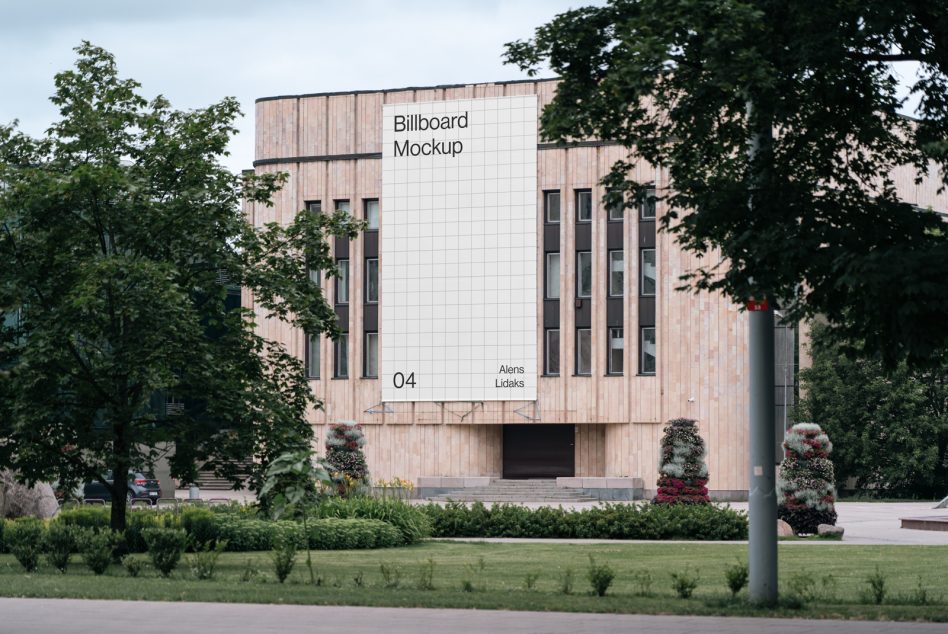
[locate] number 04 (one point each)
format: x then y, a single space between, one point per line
400 381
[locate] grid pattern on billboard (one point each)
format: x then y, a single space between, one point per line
458 253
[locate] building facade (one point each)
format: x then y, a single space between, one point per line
614 351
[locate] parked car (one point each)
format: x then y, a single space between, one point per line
141 486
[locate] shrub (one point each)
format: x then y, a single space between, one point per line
530 581
133 565
200 524
96 549
877 589
391 575
333 533
96 517
736 577
165 546
411 521
600 577
59 542
426 575
609 521
139 521
24 540
805 489
344 456
566 581
203 561
683 475
643 583
474 576
803 586
284 556
244 535
684 583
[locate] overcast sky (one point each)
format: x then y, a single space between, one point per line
197 51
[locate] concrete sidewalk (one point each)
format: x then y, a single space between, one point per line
65 616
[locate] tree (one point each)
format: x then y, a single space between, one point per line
806 493
890 426
683 475
120 235
689 85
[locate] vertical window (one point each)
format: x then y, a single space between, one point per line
584 205
342 281
647 273
341 357
551 363
314 206
583 351
616 211
584 274
552 275
314 275
616 350
312 357
648 351
371 280
371 209
551 204
616 272
370 360
342 205
647 207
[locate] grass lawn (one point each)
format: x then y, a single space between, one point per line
354 578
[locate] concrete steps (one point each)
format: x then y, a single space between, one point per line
515 491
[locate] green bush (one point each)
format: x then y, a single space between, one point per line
59 543
3 525
96 548
96 517
684 583
411 521
610 521
165 546
24 539
139 521
203 561
133 565
244 535
200 524
736 577
333 533
600 577
284 556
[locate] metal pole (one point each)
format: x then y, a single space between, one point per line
762 551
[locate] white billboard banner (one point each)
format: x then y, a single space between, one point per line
459 250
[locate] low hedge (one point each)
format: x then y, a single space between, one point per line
333 533
411 521
610 521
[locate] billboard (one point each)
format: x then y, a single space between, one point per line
459 250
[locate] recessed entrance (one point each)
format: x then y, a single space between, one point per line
539 451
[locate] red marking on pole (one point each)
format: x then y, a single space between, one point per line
757 304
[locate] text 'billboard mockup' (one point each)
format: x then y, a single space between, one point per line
459 250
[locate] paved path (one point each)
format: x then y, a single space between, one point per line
65 616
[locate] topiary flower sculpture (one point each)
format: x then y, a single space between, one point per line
683 476
805 485
344 457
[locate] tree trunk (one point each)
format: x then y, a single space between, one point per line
119 478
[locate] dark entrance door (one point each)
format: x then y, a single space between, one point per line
539 451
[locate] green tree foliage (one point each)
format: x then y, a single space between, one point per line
120 235
889 427
688 84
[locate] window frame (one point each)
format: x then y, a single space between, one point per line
336 205
648 205
584 193
621 272
546 206
642 331
546 351
341 281
367 279
576 362
579 277
620 208
308 205
343 339
642 253
378 214
547 278
312 343
610 368
365 354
